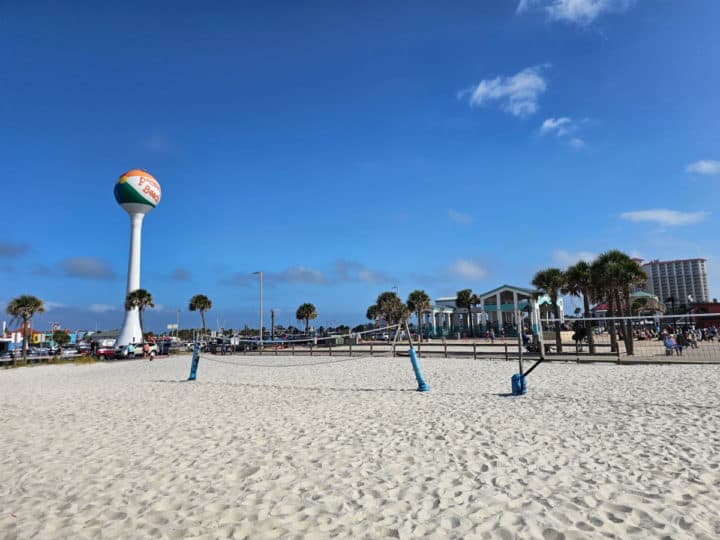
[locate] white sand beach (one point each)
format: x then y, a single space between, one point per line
318 447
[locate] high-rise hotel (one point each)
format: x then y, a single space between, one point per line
685 280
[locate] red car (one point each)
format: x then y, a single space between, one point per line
108 353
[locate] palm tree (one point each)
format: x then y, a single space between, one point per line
372 312
618 274
474 301
140 299
578 283
550 281
464 300
200 303
306 312
24 307
418 302
391 308
603 285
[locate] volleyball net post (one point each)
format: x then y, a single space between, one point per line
518 381
195 362
422 385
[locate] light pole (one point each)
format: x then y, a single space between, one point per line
261 319
177 325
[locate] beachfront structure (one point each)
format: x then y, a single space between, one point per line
137 192
650 305
498 309
678 282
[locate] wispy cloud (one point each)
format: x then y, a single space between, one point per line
8 268
517 95
180 274
563 257
563 127
50 305
42 270
459 217
665 217
10 250
465 268
298 274
581 12
704 166
558 126
156 143
355 271
86 268
343 271
102 308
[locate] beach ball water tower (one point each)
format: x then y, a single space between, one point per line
137 192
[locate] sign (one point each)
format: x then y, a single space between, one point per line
172 326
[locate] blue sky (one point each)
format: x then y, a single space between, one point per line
346 149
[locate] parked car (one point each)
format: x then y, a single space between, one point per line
125 352
39 351
105 352
70 351
54 350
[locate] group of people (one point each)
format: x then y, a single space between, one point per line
677 340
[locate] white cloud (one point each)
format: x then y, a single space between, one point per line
704 167
467 269
559 126
49 306
563 127
665 217
581 12
568 258
517 94
102 308
459 217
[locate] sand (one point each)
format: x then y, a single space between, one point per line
300 447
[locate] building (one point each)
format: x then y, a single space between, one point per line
677 283
497 309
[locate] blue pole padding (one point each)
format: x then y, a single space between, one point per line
195 362
422 385
519 384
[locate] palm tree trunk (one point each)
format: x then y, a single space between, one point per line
558 336
307 324
611 324
26 322
618 303
629 345
202 316
418 314
142 332
588 325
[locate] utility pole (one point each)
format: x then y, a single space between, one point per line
260 332
272 322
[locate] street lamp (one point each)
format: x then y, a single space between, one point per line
397 290
261 318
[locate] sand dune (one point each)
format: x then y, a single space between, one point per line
308 447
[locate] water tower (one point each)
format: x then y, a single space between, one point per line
137 192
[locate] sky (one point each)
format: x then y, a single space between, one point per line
346 149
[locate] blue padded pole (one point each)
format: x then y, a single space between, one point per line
195 362
422 385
